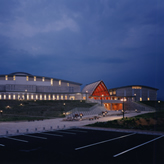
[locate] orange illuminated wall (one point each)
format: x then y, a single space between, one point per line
100 90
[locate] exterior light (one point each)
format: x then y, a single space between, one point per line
159 102
101 99
1 111
86 95
8 107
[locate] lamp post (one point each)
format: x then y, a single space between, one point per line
25 94
123 108
1 111
159 105
123 112
101 99
86 95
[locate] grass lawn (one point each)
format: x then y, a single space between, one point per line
14 110
150 121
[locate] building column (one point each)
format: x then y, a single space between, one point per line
110 106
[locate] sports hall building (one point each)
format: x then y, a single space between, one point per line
25 86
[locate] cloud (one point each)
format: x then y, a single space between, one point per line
22 28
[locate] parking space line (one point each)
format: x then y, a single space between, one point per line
34 136
2 145
15 139
137 146
77 131
52 134
64 132
105 141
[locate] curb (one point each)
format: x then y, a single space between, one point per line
123 130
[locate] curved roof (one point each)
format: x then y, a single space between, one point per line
143 86
30 75
96 89
20 73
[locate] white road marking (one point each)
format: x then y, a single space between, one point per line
34 136
77 131
2 145
64 132
105 141
52 134
15 139
137 146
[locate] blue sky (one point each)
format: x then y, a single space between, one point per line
117 41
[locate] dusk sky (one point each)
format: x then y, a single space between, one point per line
118 41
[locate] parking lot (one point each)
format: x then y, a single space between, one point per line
80 145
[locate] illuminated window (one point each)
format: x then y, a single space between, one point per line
57 97
59 82
43 79
44 97
14 78
40 97
61 97
53 97
34 78
65 97
110 93
49 97
14 97
9 97
136 87
6 77
4 96
140 98
27 97
148 98
51 82
32 97
114 92
36 97
0 97
27 78
68 84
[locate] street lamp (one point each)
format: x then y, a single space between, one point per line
101 99
123 112
25 94
159 105
86 95
1 111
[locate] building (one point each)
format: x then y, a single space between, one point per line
134 93
98 92
24 86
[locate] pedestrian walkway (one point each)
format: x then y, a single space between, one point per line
13 128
